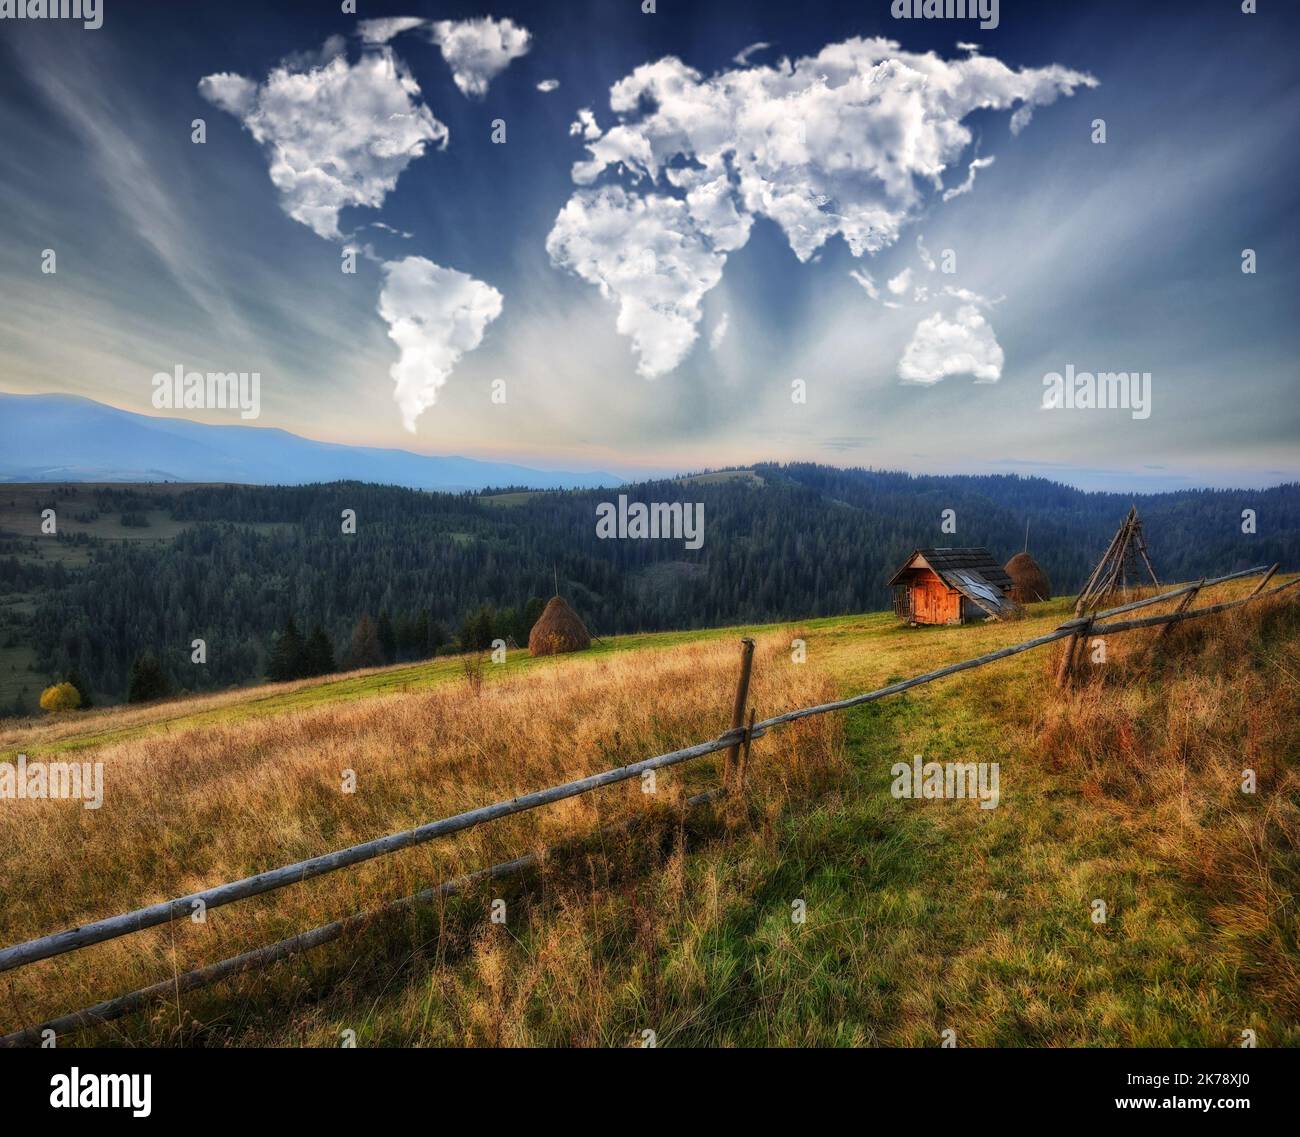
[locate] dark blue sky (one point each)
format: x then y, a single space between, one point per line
1115 257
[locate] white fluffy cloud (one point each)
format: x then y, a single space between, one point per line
963 345
546 86
585 126
941 345
336 133
650 256
477 51
434 315
849 142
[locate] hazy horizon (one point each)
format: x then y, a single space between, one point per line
1085 480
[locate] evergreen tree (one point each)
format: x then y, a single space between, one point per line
387 637
438 635
287 659
83 688
420 636
532 613
148 680
405 633
366 650
479 629
318 654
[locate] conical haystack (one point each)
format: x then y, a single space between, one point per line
558 629
1029 582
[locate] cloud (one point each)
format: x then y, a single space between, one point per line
546 86
899 284
117 153
584 126
389 229
964 345
434 315
853 141
969 297
969 184
336 133
477 51
649 256
741 58
384 29
868 282
719 332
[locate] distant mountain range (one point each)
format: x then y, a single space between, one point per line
63 438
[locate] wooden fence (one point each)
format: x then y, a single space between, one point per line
736 742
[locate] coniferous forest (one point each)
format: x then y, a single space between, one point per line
275 588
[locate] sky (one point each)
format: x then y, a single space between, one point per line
590 237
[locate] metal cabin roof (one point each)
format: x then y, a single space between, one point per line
973 572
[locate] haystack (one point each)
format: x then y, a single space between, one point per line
1029 582
558 629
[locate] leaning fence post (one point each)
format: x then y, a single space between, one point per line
1067 660
730 764
1183 605
1260 586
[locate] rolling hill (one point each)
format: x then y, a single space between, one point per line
917 917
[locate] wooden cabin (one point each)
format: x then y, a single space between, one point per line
951 586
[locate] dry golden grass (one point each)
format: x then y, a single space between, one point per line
1162 738
921 915
190 809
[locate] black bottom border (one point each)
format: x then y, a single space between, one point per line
363 1085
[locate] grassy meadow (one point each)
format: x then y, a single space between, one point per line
920 916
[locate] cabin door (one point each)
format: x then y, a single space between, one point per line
934 602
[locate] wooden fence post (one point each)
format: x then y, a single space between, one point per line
742 770
1071 645
731 762
1260 586
1183 605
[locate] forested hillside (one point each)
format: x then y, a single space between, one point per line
424 571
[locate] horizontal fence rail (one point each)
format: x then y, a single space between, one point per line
124 1005
73 939
155 914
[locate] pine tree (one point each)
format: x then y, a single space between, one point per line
532 613
83 688
479 629
318 654
438 635
387 637
366 651
287 660
148 680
